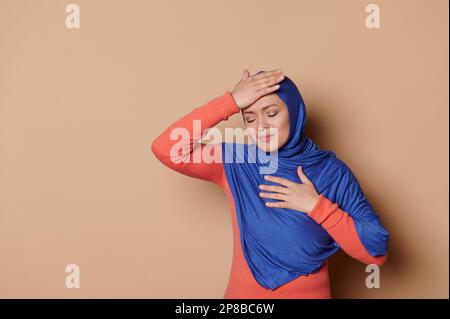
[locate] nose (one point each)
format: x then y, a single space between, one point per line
263 129
262 124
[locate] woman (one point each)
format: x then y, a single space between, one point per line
288 222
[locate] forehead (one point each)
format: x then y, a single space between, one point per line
268 99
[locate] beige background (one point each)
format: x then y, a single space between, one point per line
80 108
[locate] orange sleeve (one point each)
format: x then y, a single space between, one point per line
183 150
339 224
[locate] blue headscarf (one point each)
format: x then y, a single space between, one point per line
281 244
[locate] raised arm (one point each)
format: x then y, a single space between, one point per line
179 148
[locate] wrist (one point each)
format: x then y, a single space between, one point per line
315 203
231 104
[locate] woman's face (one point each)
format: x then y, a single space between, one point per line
267 121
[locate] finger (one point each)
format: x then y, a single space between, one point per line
276 189
303 177
277 204
267 81
262 74
279 180
245 75
267 90
268 84
259 72
273 196
263 86
266 74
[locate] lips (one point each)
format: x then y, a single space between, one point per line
265 138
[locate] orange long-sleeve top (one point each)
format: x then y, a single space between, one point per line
241 284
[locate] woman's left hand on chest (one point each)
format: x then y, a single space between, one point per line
292 195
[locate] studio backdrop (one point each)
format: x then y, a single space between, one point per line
86 86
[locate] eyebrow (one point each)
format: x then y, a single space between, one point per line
265 107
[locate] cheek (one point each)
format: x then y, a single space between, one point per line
251 129
284 130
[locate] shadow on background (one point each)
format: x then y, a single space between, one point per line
348 275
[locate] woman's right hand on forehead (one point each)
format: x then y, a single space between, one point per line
251 88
